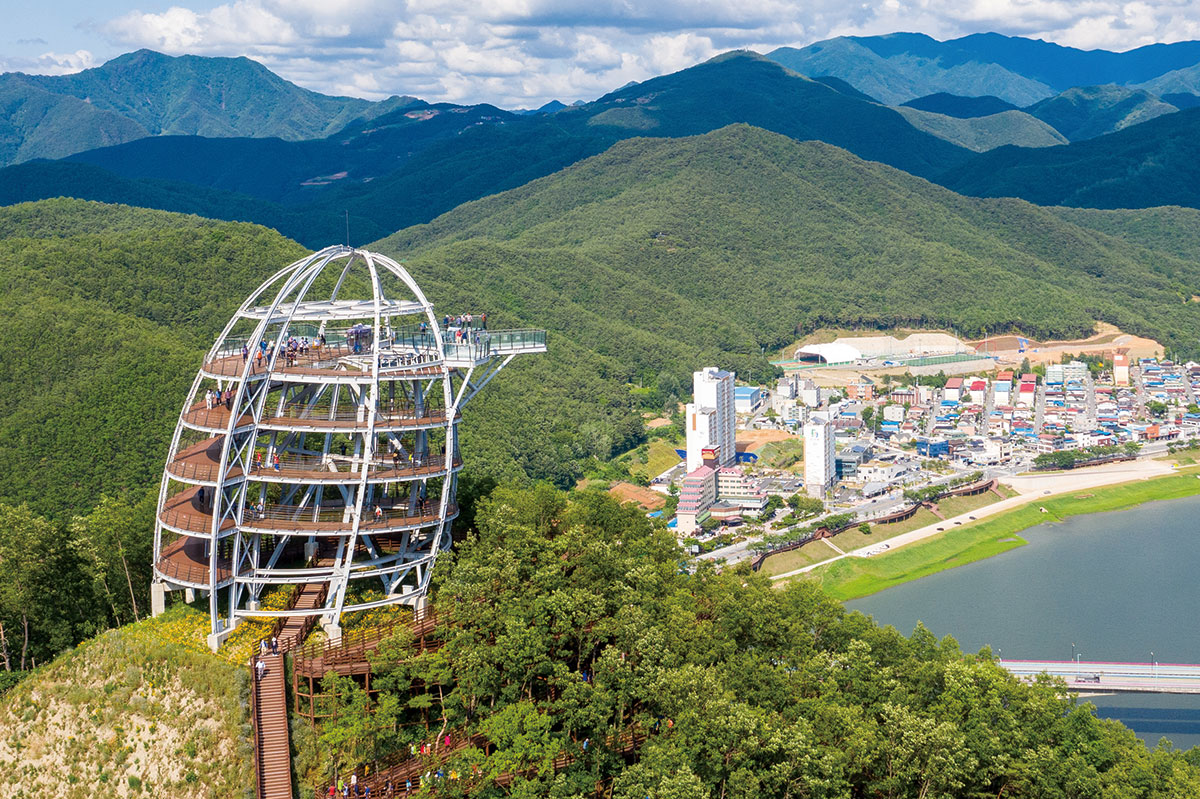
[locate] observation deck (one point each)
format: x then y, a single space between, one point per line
186 561
320 420
187 515
404 354
201 462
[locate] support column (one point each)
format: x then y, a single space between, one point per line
158 598
217 638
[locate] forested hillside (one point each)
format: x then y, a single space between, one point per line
107 311
954 105
569 626
1090 111
986 132
739 239
1151 164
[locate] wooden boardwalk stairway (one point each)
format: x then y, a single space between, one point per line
268 696
272 744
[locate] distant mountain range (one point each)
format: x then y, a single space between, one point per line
225 138
899 67
408 166
150 94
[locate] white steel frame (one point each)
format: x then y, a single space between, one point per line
272 309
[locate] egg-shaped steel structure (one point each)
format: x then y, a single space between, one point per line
318 445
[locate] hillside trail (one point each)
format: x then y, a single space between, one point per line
272 741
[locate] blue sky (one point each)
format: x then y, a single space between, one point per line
521 53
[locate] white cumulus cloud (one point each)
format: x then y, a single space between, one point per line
521 53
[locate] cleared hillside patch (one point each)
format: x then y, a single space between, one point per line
137 711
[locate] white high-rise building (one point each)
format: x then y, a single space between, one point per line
710 418
819 466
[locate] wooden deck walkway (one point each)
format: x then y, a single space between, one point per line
272 744
202 461
272 739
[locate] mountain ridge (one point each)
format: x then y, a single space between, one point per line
155 94
899 67
500 154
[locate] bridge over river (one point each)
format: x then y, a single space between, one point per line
1107 677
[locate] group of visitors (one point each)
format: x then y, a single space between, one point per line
465 321
297 347
390 788
214 397
294 347
260 663
258 461
476 337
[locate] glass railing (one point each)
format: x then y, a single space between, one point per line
404 346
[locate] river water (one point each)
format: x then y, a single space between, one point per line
1116 585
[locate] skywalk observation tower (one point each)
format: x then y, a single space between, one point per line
318 446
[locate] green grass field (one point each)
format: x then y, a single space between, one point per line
782 455
658 454
850 578
807 555
956 506
662 456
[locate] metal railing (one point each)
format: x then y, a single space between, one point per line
190 516
321 464
405 347
187 570
357 413
389 515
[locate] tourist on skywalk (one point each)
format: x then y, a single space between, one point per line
245 353
274 645
261 667
378 515
258 461
275 461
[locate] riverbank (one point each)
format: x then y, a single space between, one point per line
853 577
